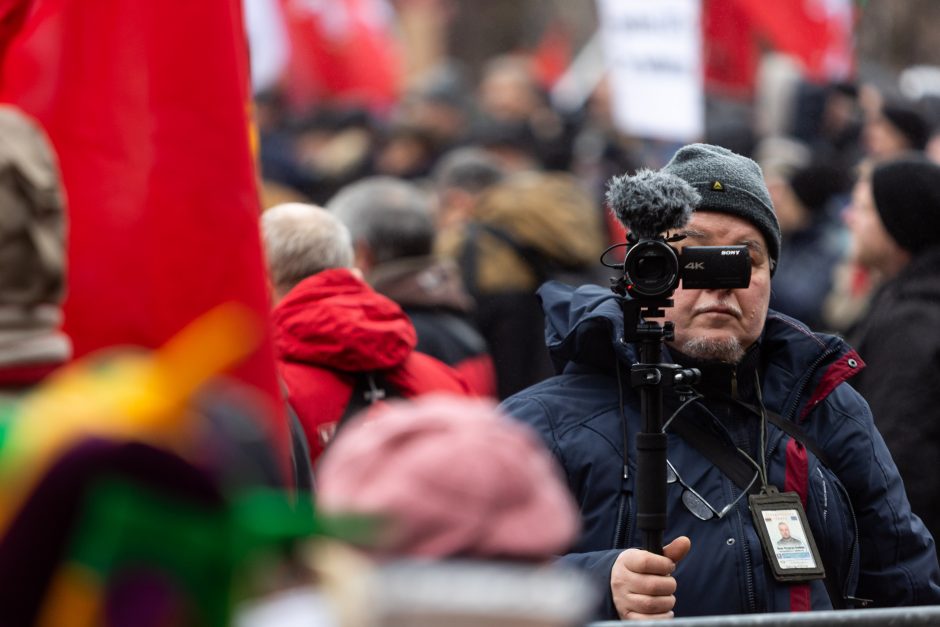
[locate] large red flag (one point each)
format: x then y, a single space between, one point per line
147 104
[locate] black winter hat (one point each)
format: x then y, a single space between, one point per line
909 122
729 183
907 197
816 184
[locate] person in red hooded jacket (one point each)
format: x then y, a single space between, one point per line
340 345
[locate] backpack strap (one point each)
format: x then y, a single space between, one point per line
369 388
300 447
300 453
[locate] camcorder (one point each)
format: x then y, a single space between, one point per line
652 268
650 204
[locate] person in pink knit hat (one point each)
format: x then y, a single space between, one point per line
451 477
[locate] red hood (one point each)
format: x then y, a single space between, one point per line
334 319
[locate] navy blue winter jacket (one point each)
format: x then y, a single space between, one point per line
871 544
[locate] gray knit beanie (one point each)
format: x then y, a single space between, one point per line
729 183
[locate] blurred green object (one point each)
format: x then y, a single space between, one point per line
154 548
126 530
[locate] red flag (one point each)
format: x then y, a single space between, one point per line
552 56
147 104
731 54
341 50
817 32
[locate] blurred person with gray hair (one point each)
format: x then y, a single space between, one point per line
459 178
32 254
393 234
340 345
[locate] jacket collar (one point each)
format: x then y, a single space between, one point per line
732 380
584 326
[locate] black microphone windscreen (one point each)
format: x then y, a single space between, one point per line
651 202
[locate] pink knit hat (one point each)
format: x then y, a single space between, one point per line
454 477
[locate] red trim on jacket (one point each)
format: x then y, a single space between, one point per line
797 480
836 373
800 598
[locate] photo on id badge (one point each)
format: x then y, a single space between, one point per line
789 539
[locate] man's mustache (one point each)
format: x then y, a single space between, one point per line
719 307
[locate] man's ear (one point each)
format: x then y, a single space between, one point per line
364 259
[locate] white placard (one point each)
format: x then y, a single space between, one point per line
654 54
267 42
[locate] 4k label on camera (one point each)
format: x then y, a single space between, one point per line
786 537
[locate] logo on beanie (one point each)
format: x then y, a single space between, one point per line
717 186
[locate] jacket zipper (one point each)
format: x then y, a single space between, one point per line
745 546
623 523
748 566
845 594
622 534
618 536
791 412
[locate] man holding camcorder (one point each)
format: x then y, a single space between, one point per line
770 433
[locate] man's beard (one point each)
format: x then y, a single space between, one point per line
727 350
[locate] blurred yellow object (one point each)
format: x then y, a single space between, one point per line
74 599
121 394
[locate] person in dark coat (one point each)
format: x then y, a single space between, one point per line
531 227
393 232
773 400
813 240
895 224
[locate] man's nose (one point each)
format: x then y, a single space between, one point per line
848 214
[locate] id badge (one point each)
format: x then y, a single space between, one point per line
785 535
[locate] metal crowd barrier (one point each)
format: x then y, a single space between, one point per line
880 617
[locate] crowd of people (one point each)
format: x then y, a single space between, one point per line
505 194
455 369
837 210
